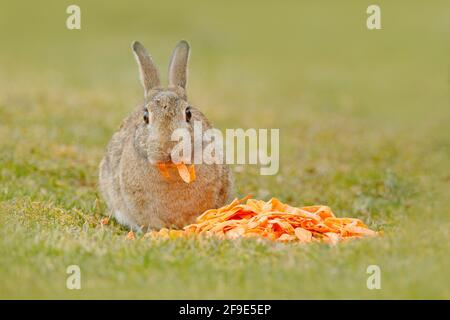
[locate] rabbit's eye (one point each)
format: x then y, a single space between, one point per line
188 114
146 117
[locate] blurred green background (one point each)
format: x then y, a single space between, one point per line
363 118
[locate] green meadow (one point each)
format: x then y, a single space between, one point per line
364 128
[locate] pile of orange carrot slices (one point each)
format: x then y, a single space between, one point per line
272 220
186 174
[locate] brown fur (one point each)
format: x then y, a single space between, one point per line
136 193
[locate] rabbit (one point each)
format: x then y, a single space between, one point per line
136 193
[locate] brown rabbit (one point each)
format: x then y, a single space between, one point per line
136 192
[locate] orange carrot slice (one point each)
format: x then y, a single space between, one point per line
163 169
130 235
303 235
192 172
184 172
188 175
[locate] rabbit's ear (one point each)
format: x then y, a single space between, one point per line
147 69
178 65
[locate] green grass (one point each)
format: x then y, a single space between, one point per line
363 118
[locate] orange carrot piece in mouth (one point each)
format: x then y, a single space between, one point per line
187 174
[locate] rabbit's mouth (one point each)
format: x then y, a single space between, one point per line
158 160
